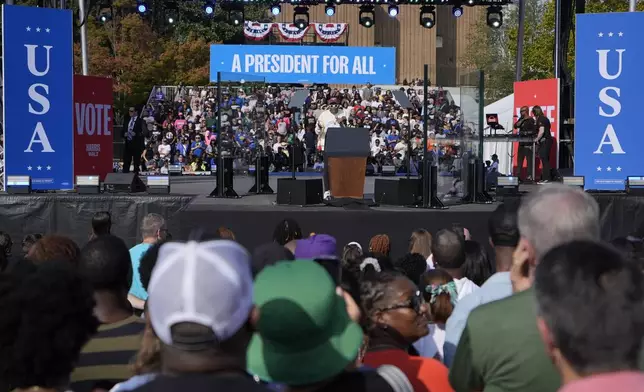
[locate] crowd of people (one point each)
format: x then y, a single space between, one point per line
554 309
258 119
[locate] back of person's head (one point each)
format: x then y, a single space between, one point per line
152 225
286 231
269 254
440 293
4 262
28 241
148 262
632 248
101 223
300 325
54 248
47 317
556 214
477 267
185 304
380 245
421 242
413 265
503 226
351 253
591 307
448 249
225 233
105 263
458 229
5 243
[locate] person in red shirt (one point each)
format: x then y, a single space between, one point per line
398 316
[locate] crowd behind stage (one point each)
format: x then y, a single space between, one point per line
183 126
552 309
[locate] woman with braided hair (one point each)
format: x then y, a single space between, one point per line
398 316
380 245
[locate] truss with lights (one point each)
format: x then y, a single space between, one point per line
401 2
366 16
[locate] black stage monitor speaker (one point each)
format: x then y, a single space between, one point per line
260 169
398 192
225 179
299 192
124 182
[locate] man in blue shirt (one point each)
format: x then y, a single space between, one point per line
504 236
198 147
153 229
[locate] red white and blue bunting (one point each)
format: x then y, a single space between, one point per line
290 32
330 32
257 31
327 32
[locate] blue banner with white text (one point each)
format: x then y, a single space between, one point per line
38 72
306 64
608 89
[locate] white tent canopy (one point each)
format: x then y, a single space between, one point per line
504 108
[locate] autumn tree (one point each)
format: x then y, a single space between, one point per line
500 45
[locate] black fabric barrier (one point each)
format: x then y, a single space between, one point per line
71 215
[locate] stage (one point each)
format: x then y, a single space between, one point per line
253 217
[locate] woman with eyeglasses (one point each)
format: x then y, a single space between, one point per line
398 316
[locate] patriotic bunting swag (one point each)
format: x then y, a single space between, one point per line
330 32
290 32
327 32
257 31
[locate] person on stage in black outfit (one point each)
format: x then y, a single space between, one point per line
544 142
527 130
134 132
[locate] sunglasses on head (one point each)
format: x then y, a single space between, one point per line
415 302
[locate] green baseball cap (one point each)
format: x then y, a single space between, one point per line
304 334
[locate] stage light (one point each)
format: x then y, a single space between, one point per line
457 11
507 186
301 17
236 18
470 2
141 7
105 12
635 185
18 185
209 7
494 17
88 185
329 10
578 181
159 184
428 16
393 11
367 16
171 12
276 9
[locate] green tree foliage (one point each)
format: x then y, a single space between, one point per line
499 60
139 52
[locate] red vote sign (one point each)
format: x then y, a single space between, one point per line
93 125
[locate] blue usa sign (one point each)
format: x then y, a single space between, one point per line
37 53
608 87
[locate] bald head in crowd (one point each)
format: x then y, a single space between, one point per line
554 215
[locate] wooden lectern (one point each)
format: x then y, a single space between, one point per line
347 150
